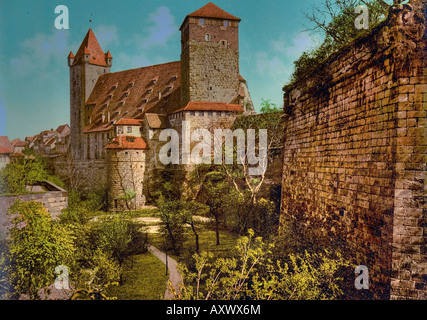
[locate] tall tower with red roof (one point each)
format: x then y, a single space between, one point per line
209 56
86 66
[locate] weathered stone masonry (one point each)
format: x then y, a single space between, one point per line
356 151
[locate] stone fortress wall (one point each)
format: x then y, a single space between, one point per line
356 150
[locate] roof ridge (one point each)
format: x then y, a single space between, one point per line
211 10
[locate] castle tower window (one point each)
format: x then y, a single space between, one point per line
209 113
223 43
192 113
202 21
226 23
207 37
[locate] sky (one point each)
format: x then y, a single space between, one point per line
34 75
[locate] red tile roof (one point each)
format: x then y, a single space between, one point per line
5 143
4 150
211 106
127 142
90 46
133 93
63 129
129 122
212 11
18 143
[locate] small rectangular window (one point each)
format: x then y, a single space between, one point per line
129 129
226 23
207 37
192 113
202 21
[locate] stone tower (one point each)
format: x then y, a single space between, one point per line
85 67
209 56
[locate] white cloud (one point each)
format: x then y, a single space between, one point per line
39 52
106 35
297 44
162 29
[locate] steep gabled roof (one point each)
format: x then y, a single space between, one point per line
212 11
5 150
5 143
131 93
90 46
63 129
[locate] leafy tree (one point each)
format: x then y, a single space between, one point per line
268 106
37 245
173 222
127 197
119 238
213 189
190 210
20 172
335 19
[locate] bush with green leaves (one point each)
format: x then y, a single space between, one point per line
335 19
253 275
37 245
21 172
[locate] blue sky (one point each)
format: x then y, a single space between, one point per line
34 76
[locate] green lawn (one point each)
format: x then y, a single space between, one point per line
207 242
147 280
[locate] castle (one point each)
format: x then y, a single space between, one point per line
116 117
